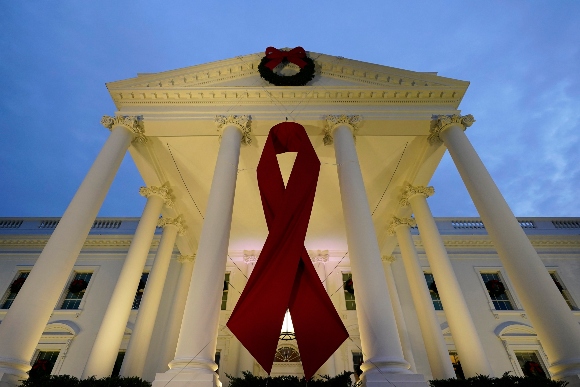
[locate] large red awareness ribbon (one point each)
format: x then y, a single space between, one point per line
284 277
277 56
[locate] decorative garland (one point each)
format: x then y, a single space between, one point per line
77 286
495 287
17 285
297 56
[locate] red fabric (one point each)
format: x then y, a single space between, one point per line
277 56
284 277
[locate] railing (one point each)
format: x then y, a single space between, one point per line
566 223
107 224
478 224
10 223
48 223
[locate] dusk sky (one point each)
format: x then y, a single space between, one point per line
521 57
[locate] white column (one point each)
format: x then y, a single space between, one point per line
557 328
134 361
246 362
382 353
104 352
176 310
437 352
194 363
473 358
25 321
319 259
399 318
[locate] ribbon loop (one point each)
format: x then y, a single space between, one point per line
284 277
277 56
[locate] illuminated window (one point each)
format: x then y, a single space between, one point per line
44 363
348 286
140 291
530 364
564 291
118 363
357 360
13 290
456 365
225 292
497 291
76 290
433 291
287 355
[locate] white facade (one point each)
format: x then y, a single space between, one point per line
196 136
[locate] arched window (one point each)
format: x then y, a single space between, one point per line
287 355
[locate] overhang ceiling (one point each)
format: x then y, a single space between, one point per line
179 109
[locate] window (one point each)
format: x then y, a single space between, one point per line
44 363
140 290
118 363
348 291
13 290
530 364
433 291
225 292
497 291
218 356
76 291
357 360
287 355
563 291
456 365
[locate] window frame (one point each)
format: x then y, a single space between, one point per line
344 300
566 295
77 269
223 307
428 271
147 271
517 305
15 274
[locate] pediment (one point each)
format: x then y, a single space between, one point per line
241 72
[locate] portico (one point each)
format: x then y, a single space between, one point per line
197 136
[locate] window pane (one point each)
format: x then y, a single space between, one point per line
10 295
531 364
348 291
217 360
357 360
563 291
501 301
118 363
73 300
433 291
456 365
225 292
44 363
140 290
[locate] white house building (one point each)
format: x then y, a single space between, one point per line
150 297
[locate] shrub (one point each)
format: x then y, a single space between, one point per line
250 380
71 381
505 381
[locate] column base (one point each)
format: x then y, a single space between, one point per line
377 379
573 380
10 380
12 372
186 378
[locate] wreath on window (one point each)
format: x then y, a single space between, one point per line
349 286
17 285
433 288
274 57
533 368
77 286
141 286
495 287
41 368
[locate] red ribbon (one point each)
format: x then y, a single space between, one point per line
284 277
277 56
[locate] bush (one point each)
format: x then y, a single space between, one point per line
505 381
71 381
249 380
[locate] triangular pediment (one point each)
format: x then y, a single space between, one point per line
242 71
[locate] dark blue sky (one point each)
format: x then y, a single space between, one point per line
521 57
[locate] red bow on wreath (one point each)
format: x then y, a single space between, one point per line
17 285
41 364
277 56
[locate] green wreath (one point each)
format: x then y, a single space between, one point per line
301 78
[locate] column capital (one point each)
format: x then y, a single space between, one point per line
251 256
242 122
132 123
178 222
388 258
441 122
319 255
164 192
396 222
332 121
411 191
186 258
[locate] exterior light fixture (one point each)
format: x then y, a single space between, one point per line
287 333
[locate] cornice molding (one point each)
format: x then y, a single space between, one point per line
89 242
331 122
454 241
163 191
411 191
132 123
441 122
178 222
396 222
242 122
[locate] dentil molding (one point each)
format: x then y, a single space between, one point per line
242 122
164 192
442 122
132 123
411 191
332 121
